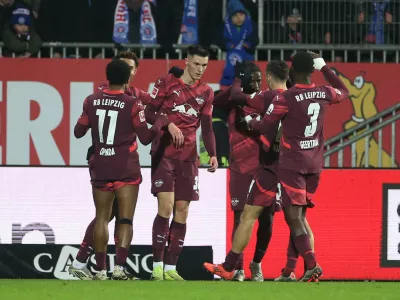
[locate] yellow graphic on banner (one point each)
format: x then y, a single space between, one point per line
362 96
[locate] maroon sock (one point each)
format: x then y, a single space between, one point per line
116 232
239 264
231 261
177 233
122 254
160 233
86 248
101 261
292 257
302 243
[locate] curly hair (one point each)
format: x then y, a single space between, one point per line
128 55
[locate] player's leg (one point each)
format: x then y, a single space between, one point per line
186 190
103 199
239 187
163 180
264 193
294 202
127 198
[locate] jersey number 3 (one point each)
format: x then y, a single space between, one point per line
111 127
313 110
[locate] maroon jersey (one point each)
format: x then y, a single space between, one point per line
302 109
115 118
185 105
131 91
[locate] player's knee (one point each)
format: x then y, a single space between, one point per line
181 211
125 221
248 218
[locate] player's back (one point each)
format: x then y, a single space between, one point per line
110 117
302 142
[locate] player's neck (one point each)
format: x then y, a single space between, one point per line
186 78
278 86
303 80
113 87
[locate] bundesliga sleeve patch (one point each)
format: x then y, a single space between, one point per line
141 116
154 93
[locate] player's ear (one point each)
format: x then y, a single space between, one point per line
134 72
186 61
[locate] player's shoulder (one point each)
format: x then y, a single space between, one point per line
205 89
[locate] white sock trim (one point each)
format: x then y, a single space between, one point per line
78 265
157 264
169 268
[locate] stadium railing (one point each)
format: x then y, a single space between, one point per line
364 131
93 50
348 53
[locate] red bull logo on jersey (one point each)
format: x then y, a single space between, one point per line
185 109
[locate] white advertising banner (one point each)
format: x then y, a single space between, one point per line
54 205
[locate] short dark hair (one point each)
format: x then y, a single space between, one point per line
127 55
303 62
250 67
197 50
118 72
278 69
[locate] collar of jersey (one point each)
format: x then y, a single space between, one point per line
107 91
305 86
191 85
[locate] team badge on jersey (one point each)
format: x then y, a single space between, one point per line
270 109
200 100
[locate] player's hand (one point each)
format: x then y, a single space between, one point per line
319 62
213 164
176 133
176 71
239 70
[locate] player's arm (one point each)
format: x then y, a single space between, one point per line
275 112
339 91
144 97
83 124
146 135
237 96
207 131
157 97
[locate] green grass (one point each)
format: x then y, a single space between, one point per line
137 290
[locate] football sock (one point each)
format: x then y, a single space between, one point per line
86 247
116 232
292 257
239 264
101 261
231 261
302 243
177 233
160 232
169 268
122 254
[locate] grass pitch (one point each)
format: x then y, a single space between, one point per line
147 290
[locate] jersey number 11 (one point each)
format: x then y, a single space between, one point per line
111 126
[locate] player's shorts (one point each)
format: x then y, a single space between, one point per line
176 176
111 186
239 185
264 190
297 188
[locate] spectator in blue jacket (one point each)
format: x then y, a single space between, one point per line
240 37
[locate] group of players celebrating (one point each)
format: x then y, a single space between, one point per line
276 141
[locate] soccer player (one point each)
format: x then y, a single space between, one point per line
301 110
261 201
115 119
188 103
79 266
244 153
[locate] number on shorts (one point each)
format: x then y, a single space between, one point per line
313 110
196 183
278 192
111 127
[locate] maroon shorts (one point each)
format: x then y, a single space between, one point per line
111 186
179 177
264 190
297 188
239 185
